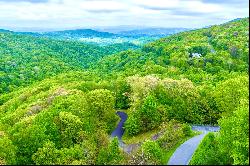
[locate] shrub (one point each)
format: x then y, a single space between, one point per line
150 153
110 155
133 124
172 133
49 155
207 153
186 129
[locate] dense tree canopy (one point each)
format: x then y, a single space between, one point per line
58 99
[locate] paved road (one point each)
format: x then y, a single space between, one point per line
119 131
184 153
205 128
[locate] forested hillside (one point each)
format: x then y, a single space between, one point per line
59 99
25 59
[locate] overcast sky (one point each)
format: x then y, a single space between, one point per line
91 13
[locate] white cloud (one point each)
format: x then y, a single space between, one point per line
157 3
82 13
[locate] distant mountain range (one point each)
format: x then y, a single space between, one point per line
78 33
152 32
3 30
81 33
236 19
136 36
106 32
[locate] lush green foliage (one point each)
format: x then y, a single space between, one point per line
8 150
207 152
151 151
172 133
156 101
58 98
54 116
110 155
234 135
25 59
231 146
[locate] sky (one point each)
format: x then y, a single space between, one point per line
69 14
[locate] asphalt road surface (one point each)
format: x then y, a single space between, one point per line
184 153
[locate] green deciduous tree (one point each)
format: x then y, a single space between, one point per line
234 135
8 150
101 103
110 155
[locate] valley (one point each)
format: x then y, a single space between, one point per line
89 97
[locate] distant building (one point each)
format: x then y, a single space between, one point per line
196 55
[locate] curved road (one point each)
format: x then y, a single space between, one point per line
184 153
119 131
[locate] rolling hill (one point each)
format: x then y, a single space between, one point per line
59 99
135 36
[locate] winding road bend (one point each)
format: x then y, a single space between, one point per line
184 153
119 131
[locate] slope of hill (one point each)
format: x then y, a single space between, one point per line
223 48
195 77
25 59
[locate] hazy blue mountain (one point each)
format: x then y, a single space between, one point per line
110 35
78 33
118 29
108 32
153 32
4 30
236 19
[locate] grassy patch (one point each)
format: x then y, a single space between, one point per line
140 137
